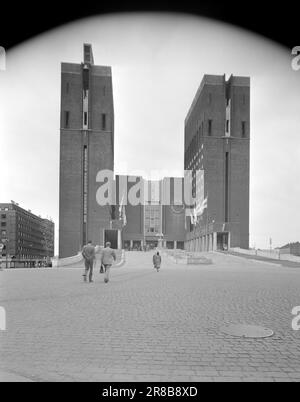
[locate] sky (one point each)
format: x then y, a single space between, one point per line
158 61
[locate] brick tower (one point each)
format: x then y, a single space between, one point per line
86 147
217 140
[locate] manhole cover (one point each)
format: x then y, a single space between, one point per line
247 331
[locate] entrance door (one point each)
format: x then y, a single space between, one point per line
111 235
136 245
222 241
152 244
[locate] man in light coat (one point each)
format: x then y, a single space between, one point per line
88 253
107 259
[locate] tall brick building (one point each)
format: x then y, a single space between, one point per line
217 140
86 147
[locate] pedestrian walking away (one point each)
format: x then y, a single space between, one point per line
107 259
88 253
157 261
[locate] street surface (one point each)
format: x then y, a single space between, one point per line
150 326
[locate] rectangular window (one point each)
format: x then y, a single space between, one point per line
243 129
67 118
227 126
103 121
209 127
3 216
226 186
85 119
3 224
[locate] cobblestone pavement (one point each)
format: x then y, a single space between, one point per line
149 326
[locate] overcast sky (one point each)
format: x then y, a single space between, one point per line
158 62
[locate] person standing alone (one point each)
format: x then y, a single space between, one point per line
157 261
107 259
88 253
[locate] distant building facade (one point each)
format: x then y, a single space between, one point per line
86 147
28 239
156 220
217 141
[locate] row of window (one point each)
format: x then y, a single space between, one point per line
152 230
156 215
29 219
24 227
243 128
242 97
103 89
195 143
67 114
29 231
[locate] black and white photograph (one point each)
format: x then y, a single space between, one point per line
149 197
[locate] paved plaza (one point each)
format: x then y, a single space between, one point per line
149 326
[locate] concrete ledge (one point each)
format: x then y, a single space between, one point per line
63 262
77 260
187 258
274 254
199 260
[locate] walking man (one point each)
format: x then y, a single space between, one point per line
88 253
157 261
107 259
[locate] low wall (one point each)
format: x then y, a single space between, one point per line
63 262
272 254
186 257
77 260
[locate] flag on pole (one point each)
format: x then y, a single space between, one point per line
122 212
198 210
201 207
124 215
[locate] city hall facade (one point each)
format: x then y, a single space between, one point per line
216 141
